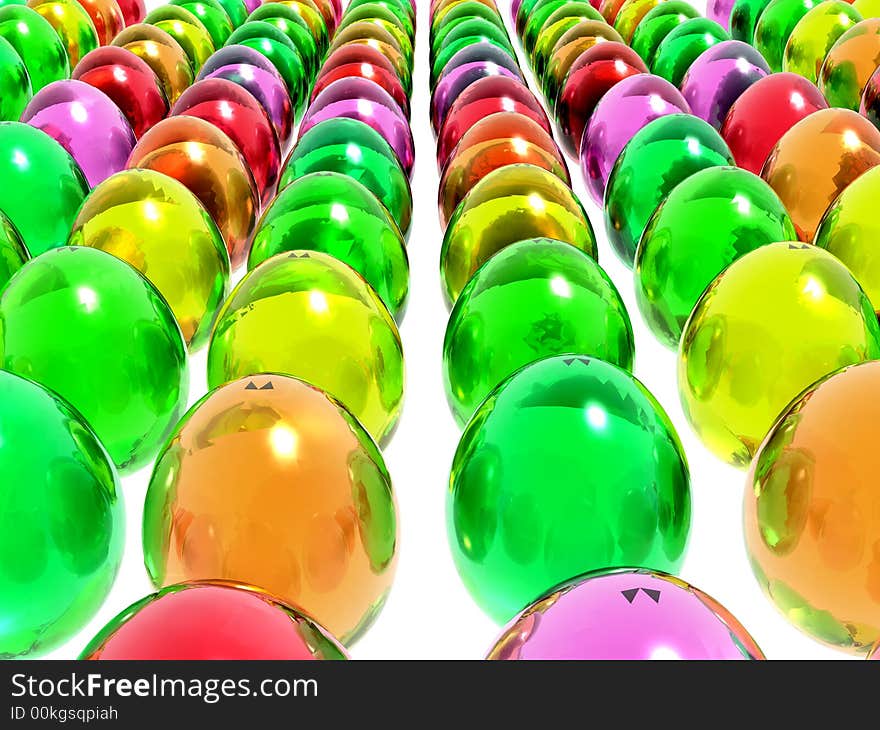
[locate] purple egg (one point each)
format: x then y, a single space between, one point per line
357 87
456 81
482 51
362 99
627 615
623 110
719 11
718 76
514 9
252 5
235 53
253 71
84 121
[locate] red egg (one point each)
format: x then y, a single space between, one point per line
330 13
235 111
107 17
480 99
504 138
134 11
128 81
764 112
388 80
593 73
212 620
359 53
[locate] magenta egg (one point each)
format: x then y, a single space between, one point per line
360 98
626 615
718 76
627 107
514 8
86 122
719 11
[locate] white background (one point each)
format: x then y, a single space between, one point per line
429 614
